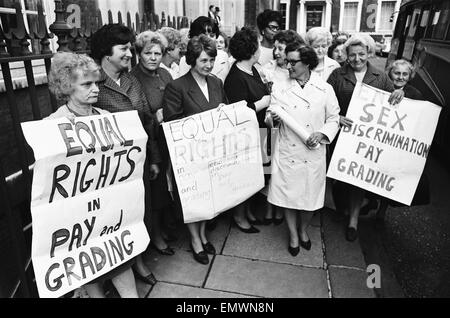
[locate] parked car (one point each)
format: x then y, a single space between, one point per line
382 43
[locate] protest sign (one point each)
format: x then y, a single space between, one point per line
386 148
216 159
87 200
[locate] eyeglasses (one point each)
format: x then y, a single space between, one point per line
273 28
291 62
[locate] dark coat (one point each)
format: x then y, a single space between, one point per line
343 81
129 96
153 84
183 97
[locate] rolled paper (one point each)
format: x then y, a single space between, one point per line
298 129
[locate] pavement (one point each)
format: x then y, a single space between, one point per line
259 265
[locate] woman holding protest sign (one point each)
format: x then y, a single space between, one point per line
306 111
193 93
150 47
73 79
244 83
121 91
343 80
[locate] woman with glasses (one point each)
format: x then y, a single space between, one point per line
297 182
204 25
320 40
244 83
268 23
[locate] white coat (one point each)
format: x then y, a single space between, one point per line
298 173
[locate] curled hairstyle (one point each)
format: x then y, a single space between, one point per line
65 69
197 45
150 37
264 18
244 44
108 36
334 45
393 64
173 37
318 33
363 40
307 54
202 25
288 36
225 39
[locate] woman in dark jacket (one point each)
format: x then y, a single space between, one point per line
343 80
244 83
195 92
120 91
150 47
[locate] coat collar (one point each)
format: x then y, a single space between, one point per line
197 95
125 82
371 75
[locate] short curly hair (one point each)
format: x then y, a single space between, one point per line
412 70
65 70
318 33
197 45
147 37
173 37
307 54
109 35
264 18
201 25
334 45
288 36
362 39
244 44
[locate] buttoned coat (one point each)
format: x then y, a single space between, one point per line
183 97
129 96
298 173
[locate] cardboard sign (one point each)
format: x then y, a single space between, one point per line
386 148
87 200
216 159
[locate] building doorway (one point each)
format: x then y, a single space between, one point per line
314 16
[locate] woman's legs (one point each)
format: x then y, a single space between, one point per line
356 196
203 232
239 215
125 284
305 218
196 242
291 221
140 266
156 233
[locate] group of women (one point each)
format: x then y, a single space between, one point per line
304 78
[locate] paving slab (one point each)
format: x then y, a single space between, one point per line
180 268
167 290
338 250
271 244
266 279
142 288
349 283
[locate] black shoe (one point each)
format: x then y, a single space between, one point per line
209 248
306 245
251 229
149 279
294 250
166 251
277 221
351 234
256 222
200 257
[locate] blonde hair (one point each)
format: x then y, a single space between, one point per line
151 37
412 70
63 72
317 33
362 39
173 37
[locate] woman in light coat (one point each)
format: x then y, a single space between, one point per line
298 173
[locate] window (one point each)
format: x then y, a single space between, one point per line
350 16
387 10
283 7
441 21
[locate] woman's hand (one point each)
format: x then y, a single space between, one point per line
159 116
275 116
344 121
220 106
314 139
154 171
396 96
